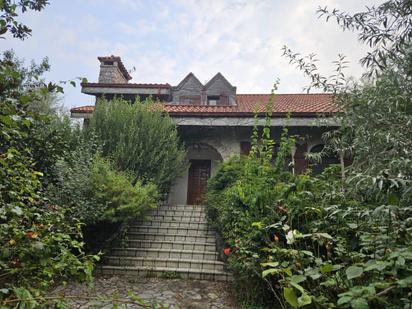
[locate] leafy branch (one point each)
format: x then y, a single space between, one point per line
385 28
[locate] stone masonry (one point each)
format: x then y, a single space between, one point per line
175 243
112 71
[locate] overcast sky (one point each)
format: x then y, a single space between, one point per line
165 40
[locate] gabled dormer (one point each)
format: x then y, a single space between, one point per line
218 91
189 91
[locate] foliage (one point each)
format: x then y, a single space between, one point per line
8 22
72 186
241 193
53 139
38 245
380 115
140 139
386 28
122 200
16 77
278 225
320 241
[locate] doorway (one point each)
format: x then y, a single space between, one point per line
199 174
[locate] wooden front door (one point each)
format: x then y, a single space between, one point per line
199 173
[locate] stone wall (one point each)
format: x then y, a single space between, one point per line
111 74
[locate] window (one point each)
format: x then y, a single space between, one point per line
213 100
217 100
108 62
189 100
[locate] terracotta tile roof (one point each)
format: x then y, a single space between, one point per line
119 61
128 85
297 104
83 109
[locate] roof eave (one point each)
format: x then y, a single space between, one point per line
248 115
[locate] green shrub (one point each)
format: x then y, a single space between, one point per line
139 139
38 246
92 191
122 200
312 241
53 139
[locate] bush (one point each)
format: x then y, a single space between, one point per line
38 246
312 241
53 139
93 192
122 200
139 139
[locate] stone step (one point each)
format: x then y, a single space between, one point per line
184 273
162 244
173 241
172 230
171 237
177 212
183 207
177 218
178 224
159 262
165 253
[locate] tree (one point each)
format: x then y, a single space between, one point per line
386 28
38 245
140 139
376 111
8 17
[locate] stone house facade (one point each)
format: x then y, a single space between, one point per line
216 122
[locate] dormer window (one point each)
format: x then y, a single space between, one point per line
214 100
190 100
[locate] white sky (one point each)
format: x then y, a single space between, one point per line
165 40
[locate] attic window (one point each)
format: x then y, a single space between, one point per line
108 62
189 100
217 100
213 100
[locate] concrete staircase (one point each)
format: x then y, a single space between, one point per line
175 242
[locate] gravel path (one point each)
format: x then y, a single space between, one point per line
157 293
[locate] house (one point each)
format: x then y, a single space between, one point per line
216 122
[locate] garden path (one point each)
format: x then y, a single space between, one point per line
171 293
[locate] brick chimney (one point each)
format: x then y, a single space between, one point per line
112 71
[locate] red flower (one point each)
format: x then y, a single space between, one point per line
32 235
226 251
